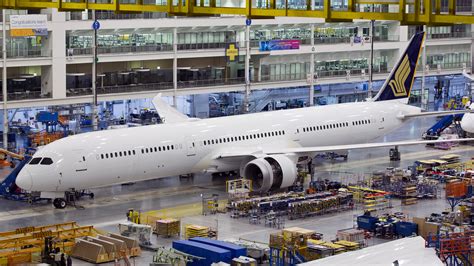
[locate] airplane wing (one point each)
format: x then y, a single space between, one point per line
332 148
437 113
168 113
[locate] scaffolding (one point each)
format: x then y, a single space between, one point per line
454 249
23 243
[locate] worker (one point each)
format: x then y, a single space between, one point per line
69 261
63 260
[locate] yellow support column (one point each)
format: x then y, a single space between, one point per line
402 10
437 7
248 8
327 9
452 7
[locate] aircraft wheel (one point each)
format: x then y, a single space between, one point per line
59 203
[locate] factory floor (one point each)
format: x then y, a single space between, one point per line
111 204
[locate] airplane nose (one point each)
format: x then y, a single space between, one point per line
24 180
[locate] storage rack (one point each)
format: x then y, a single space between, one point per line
409 194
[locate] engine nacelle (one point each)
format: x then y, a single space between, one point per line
467 122
270 172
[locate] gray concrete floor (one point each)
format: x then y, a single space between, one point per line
110 205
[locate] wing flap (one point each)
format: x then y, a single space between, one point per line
331 148
438 113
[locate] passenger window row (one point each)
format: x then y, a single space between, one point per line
324 127
40 160
337 125
245 137
361 122
159 149
117 154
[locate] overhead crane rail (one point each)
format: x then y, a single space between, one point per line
408 12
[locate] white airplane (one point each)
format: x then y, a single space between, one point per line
264 146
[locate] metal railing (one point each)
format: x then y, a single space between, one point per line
334 40
135 49
199 46
210 82
449 35
322 74
71 92
19 53
102 15
26 95
120 49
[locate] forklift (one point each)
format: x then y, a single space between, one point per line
394 154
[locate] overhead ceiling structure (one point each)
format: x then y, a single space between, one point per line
408 12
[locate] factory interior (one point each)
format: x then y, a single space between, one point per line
237 133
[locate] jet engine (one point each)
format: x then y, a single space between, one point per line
270 172
467 122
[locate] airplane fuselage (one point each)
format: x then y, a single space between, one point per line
111 157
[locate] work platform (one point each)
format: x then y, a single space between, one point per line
408 12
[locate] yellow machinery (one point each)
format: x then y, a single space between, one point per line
23 244
4 154
407 11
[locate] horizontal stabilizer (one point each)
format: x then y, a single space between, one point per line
168 114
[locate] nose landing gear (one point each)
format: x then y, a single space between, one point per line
59 203
70 198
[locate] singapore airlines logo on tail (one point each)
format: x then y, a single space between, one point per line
398 83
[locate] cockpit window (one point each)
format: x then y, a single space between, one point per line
35 160
46 161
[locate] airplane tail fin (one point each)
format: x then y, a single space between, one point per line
400 81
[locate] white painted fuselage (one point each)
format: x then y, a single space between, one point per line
111 157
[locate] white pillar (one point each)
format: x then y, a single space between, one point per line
58 42
95 115
175 65
247 69
424 100
371 61
311 68
4 80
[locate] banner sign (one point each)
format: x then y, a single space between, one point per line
28 25
279 45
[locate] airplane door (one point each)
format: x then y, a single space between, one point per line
191 147
80 163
